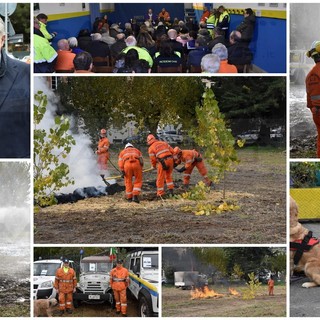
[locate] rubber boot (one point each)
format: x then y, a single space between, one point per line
136 199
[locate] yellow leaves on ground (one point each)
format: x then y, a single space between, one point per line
208 209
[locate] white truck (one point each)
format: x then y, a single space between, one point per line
143 267
94 281
189 279
44 272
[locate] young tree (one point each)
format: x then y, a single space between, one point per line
50 148
212 133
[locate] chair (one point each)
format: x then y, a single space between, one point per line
101 61
177 69
102 69
195 69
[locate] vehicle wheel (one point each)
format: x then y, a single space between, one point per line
145 307
76 303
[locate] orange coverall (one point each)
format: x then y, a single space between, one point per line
119 281
313 98
103 153
130 161
161 152
271 286
65 282
165 15
188 157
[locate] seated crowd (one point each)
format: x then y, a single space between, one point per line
160 47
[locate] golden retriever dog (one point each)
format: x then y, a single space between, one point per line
44 307
310 260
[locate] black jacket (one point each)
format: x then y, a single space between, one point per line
246 27
14 108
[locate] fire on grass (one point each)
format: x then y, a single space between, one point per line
206 293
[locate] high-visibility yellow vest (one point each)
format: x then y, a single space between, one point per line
43 52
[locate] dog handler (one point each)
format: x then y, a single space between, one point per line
119 281
65 285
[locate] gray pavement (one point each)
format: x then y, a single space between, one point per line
305 302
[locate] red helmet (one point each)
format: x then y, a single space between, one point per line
151 139
177 151
103 131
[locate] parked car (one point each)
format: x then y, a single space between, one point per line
171 136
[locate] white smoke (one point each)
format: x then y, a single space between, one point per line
82 160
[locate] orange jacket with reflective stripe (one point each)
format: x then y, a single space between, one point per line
313 87
129 154
119 278
65 281
159 150
188 157
103 145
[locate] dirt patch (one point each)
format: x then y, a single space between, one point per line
178 303
101 310
15 298
258 187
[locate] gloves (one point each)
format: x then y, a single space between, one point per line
181 169
123 174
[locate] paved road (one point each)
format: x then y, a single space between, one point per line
305 302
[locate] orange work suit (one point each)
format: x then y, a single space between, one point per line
271 286
161 156
313 98
191 159
103 153
165 15
65 282
130 161
119 281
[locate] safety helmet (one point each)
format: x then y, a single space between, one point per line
103 131
177 151
314 49
151 139
128 145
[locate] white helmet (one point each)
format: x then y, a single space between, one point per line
128 145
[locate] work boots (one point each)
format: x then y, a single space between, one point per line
69 311
170 192
136 199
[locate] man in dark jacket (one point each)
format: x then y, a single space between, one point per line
238 52
246 27
14 105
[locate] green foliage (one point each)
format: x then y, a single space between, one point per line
50 148
213 134
304 174
252 287
117 100
237 272
20 20
212 256
277 262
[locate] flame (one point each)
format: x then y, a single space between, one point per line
234 292
205 293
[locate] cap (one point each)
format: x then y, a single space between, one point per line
65 260
128 145
120 261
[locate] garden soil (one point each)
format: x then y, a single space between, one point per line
258 187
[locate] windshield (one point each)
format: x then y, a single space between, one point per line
95 266
45 269
150 261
